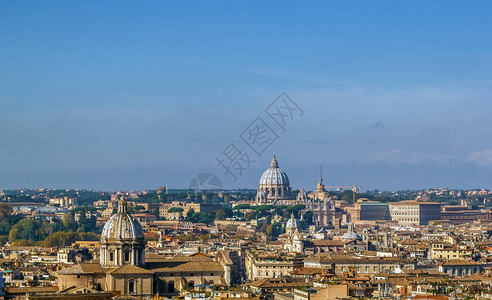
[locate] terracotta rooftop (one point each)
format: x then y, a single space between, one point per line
179 266
459 262
83 268
130 269
32 289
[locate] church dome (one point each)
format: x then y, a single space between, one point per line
274 175
302 196
122 226
351 234
292 224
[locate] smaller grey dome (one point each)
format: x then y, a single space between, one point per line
302 196
351 234
122 225
292 224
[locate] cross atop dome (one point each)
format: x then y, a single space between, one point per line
274 163
122 205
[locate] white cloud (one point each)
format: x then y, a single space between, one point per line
483 157
399 156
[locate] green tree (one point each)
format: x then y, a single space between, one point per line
4 239
7 219
308 217
63 238
175 209
139 208
23 243
241 206
69 223
249 215
220 214
190 214
27 229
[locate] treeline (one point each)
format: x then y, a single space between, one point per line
192 196
15 229
84 197
261 211
59 239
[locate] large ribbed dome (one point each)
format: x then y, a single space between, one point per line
122 225
274 175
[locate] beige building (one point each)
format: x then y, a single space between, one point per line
185 207
64 202
270 265
368 266
321 291
448 251
413 212
457 267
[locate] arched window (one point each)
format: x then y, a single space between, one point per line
191 284
131 287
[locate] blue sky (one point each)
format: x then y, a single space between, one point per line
125 95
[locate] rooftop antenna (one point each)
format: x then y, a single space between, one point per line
321 174
454 170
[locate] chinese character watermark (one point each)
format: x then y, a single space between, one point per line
258 137
283 109
205 181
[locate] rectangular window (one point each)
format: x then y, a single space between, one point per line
127 256
111 256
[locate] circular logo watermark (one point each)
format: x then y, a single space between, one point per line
205 181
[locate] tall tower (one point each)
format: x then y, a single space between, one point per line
321 186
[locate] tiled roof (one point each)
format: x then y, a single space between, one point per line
307 271
190 266
83 268
327 243
31 289
178 258
91 268
459 262
276 283
130 269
